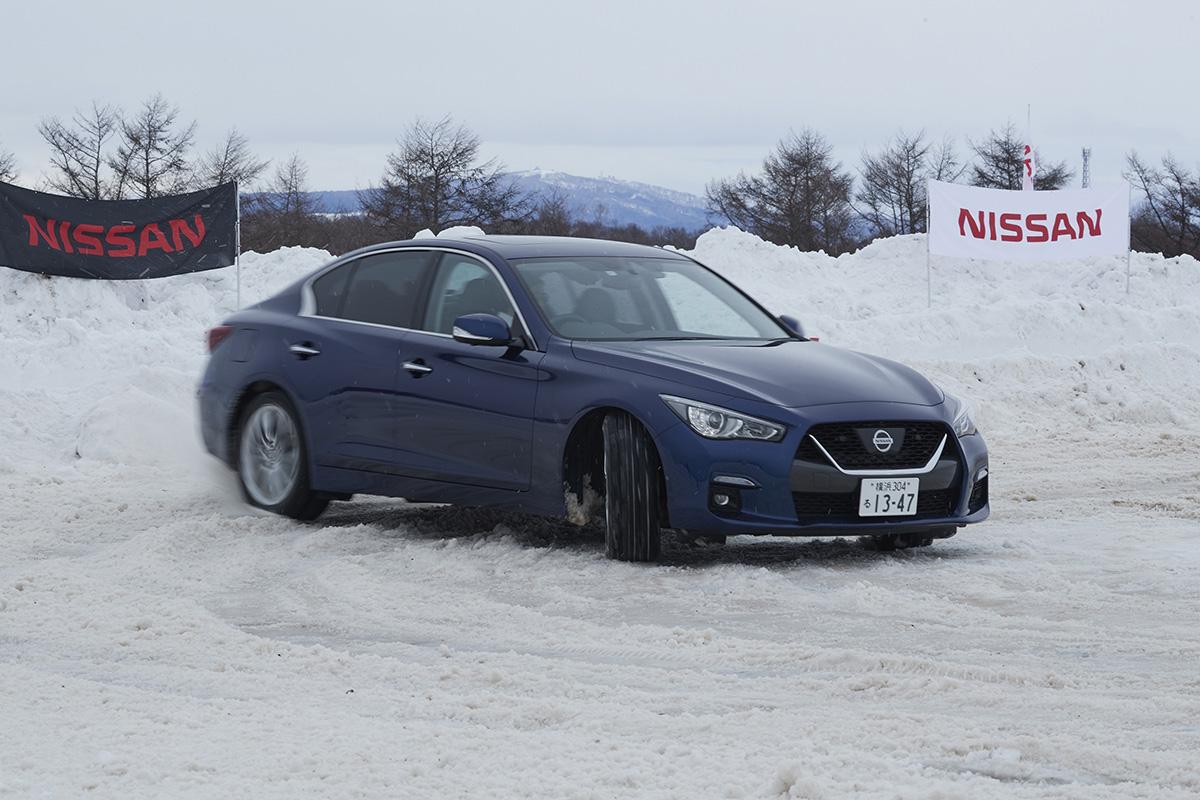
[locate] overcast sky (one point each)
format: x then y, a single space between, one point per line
672 93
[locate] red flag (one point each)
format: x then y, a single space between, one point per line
1029 169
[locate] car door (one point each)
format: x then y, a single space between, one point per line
344 365
465 412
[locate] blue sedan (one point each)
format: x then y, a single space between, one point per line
582 379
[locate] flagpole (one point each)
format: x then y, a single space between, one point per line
928 264
1128 237
237 259
1029 163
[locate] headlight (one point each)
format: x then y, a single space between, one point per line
714 422
963 424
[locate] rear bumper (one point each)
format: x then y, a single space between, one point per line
790 497
210 423
214 413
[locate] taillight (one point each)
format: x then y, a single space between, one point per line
218 335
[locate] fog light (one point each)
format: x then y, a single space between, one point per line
724 499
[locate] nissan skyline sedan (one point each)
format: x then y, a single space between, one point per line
583 379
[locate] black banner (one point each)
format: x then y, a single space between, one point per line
118 239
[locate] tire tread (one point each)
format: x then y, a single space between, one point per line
632 475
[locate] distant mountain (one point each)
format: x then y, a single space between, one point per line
618 202
344 201
614 201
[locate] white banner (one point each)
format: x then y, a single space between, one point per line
1008 225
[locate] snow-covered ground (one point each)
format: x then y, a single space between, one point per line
157 639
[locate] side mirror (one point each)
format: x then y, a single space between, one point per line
486 329
793 324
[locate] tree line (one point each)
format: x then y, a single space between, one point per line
436 178
805 198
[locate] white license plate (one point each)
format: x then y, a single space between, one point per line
888 497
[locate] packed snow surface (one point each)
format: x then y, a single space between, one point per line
159 639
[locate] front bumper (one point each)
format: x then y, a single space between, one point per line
793 497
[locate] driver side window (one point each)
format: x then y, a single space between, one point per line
463 285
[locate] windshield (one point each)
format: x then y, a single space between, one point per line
604 298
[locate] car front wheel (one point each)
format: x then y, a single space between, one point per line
272 462
632 477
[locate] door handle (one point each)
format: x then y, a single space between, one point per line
304 351
417 368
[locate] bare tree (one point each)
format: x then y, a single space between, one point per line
288 191
79 152
151 158
551 215
435 180
891 192
8 166
1168 220
284 213
802 197
943 163
892 196
232 160
1000 163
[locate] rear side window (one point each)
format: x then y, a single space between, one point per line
385 288
329 289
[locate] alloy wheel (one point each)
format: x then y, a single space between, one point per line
270 455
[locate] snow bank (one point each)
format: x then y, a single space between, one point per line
1035 346
449 233
93 369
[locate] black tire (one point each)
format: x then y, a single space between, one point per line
632 477
299 501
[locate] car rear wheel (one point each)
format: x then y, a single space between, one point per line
632 477
272 461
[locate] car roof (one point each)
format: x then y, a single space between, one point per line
540 246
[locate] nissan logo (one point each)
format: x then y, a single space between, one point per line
882 441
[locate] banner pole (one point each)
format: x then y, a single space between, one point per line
237 259
1128 238
928 265
928 276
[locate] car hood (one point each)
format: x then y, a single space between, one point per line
790 373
